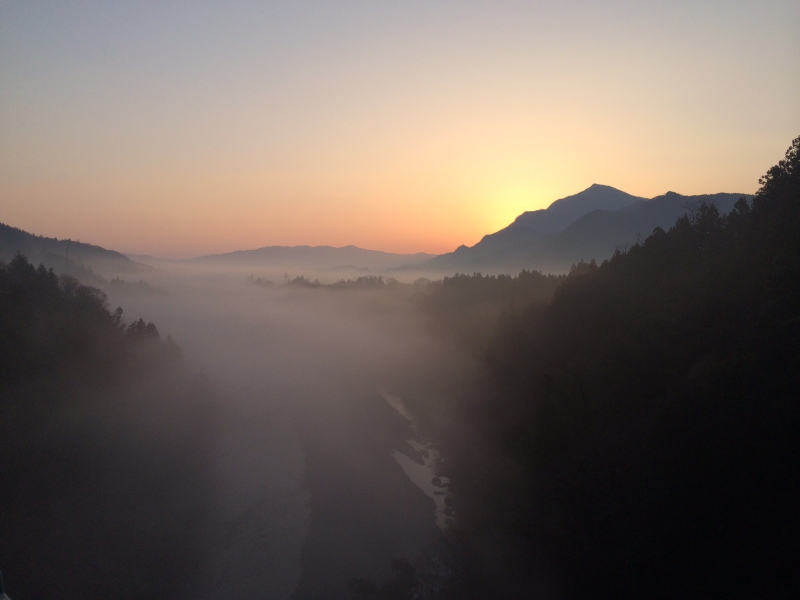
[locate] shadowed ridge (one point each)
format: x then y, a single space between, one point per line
564 211
316 257
82 260
608 219
532 229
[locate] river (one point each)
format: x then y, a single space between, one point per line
321 478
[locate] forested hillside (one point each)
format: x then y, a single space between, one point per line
87 262
638 436
466 308
104 440
608 221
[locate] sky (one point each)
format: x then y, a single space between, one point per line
181 128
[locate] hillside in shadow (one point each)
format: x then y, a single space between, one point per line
588 226
637 436
106 439
87 262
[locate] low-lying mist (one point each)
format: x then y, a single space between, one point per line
225 435
309 488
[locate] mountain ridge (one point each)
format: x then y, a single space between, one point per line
609 219
589 225
318 257
88 262
560 213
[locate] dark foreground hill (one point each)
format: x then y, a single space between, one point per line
87 262
105 442
638 436
588 226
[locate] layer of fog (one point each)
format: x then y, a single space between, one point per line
321 479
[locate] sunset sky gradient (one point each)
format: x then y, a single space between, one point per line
185 128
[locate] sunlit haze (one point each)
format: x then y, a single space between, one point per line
180 129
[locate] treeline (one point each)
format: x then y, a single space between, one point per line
104 444
466 308
638 436
365 282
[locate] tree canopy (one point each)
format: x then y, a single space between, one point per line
105 439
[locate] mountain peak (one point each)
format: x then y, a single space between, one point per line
564 211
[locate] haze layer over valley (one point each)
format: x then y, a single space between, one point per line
310 493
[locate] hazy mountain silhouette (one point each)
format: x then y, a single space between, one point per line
514 244
317 257
561 213
587 226
598 234
88 262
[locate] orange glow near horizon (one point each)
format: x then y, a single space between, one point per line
398 128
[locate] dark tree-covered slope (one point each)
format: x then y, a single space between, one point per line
104 440
645 426
604 220
85 261
466 308
638 437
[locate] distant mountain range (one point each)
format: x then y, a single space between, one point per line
87 262
589 225
320 258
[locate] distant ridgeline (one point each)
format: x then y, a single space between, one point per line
90 264
326 258
590 225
